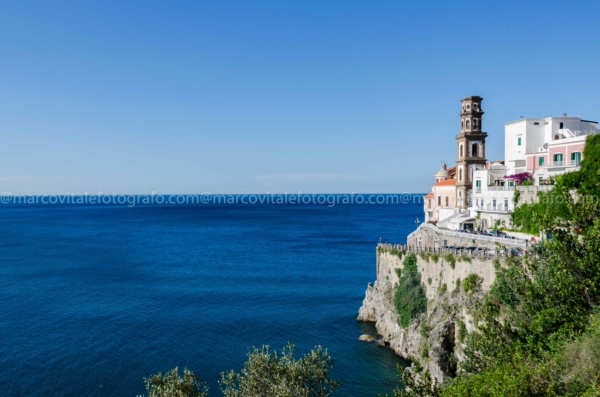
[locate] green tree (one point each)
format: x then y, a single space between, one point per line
273 374
172 385
409 299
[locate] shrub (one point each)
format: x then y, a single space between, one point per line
443 288
409 299
268 373
171 384
435 256
429 280
471 283
462 330
424 329
451 260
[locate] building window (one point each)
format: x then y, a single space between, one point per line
505 204
439 201
536 123
494 204
561 126
447 201
575 158
540 161
558 159
519 141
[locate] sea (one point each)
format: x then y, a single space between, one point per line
96 297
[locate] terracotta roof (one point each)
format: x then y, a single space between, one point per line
430 195
446 182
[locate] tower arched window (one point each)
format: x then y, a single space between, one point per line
474 123
474 150
468 125
462 125
460 175
460 150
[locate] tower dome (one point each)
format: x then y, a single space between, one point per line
442 173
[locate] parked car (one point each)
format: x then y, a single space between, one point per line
516 251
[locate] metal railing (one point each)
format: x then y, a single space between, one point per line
505 188
478 237
484 252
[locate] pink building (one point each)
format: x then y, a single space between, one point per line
559 156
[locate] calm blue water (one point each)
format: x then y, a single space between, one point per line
94 298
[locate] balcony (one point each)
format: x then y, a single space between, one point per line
558 164
575 163
501 188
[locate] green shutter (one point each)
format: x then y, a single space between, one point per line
541 161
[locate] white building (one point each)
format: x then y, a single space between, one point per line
493 196
542 147
534 136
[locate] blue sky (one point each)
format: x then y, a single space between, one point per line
274 96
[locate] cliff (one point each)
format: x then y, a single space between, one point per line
434 338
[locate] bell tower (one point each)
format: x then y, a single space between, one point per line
470 149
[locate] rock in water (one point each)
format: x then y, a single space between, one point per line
366 338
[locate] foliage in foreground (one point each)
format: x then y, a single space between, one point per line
265 373
409 299
269 373
172 385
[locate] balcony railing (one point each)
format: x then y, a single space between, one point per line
501 188
575 163
558 163
478 190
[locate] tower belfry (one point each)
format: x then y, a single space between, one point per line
470 149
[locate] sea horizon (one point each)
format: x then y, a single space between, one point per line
109 289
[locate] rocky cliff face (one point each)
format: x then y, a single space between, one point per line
435 337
